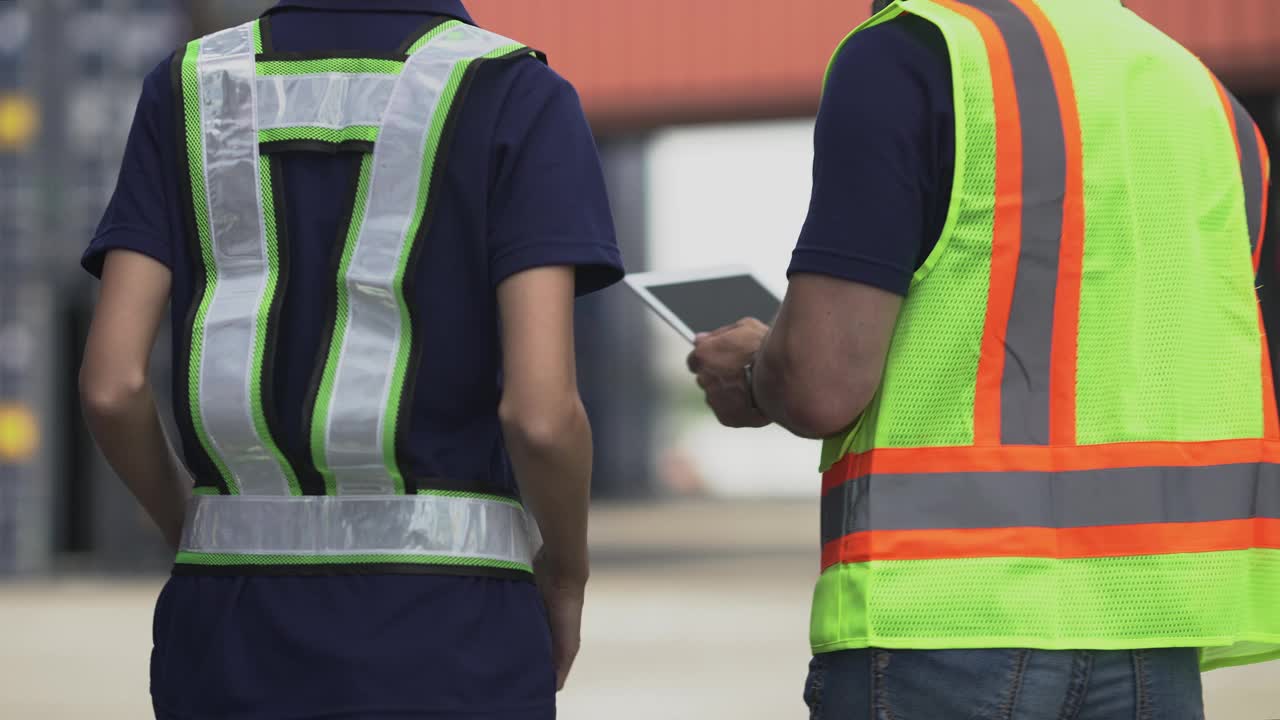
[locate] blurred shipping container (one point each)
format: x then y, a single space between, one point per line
70 73
641 64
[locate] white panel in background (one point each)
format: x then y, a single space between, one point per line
729 194
722 194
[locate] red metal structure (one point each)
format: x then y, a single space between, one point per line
641 64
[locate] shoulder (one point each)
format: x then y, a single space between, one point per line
906 48
528 84
157 112
158 85
529 101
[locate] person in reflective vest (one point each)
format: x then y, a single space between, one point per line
1059 435
354 225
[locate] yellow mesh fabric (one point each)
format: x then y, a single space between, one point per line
1222 601
1169 347
1169 350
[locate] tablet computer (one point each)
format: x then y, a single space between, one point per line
698 301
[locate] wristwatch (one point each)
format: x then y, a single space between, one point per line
750 370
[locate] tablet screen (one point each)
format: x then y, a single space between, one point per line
711 303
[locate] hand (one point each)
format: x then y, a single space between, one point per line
719 360
563 597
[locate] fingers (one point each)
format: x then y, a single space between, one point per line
564 614
562 673
564 663
704 348
746 322
694 362
704 336
565 642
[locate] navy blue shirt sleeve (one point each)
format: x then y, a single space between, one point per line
138 217
883 153
549 205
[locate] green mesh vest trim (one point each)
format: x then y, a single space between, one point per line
193 130
254 560
272 241
433 150
432 34
325 395
464 494
228 460
361 66
362 133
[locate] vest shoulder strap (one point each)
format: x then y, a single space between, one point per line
238 105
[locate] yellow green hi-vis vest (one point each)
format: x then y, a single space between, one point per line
344 503
1075 444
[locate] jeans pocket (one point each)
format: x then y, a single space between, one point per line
935 684
814 685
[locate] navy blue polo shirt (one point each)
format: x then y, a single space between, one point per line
522 188
884 158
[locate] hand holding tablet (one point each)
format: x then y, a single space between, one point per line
700 301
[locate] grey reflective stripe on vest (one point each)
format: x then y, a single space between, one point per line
1128 496
328 100
1250 168
229 359
1024 386
358 409
423 529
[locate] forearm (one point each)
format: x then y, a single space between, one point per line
770 388
128 430
551 453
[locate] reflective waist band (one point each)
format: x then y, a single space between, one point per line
356 530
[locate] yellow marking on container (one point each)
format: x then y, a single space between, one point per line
19 121
19 433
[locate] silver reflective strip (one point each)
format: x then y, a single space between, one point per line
233 182
329 100
1024 387
355 428
318 526
1123 496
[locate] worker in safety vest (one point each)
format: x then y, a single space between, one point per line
1022 316
371 218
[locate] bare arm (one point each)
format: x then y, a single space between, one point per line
549 439
823 360
116 394
881 177
543 420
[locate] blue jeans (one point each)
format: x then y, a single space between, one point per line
1005 685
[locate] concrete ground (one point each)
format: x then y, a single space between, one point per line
664 630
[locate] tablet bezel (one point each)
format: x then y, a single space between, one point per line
640 283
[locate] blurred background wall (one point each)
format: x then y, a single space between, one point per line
686 96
